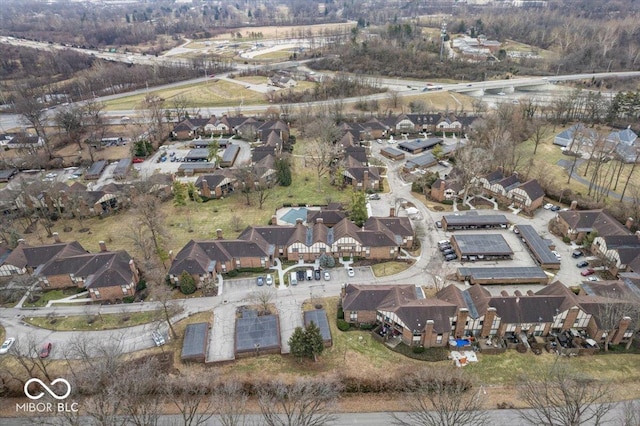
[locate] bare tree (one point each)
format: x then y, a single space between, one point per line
263 299
306 402
150 217
630 413
539 132
137 388
193 398
26 353
322 149
29 104
168 305
443 398
614 310
231 403
563 397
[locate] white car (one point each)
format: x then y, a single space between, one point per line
501 93
327 276
548 206
351 272
7 345
269 280
592 278
556 254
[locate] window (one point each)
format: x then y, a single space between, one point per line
294 250
439 338
96 293
353 316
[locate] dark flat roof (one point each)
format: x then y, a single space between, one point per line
7 173
122 168
319 317
537 244
96 168
486 244
419 144
230 153
195 340
198 153
421 160
475 219
252 330
200 165
392 151
503 274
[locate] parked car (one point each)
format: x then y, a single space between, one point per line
582 264
158 339
294 279
587 272
438 224
556 254
351 272
316 274
45 350
576 254
269 279
260 280
301 276
448 251
309 274
374 197
441 242
555 208
327 276
450 257
547 206
445 247
592 278
7 345
138 160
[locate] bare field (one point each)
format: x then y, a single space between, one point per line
277 32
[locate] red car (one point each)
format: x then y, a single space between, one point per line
138 160
46 350
587 272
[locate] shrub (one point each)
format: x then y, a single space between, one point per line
128 299
340 313
231 274
566 240
142 284
447 202
187 283
418 349
343 325
367 326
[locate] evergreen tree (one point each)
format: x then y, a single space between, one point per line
283 170
307 342
179 194
187 283
358 208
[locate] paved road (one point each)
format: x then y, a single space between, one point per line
496 417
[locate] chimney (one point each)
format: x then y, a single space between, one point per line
504 293
103 246
56 237
219 233
517 293
319 220
530 293
274 220
134 271
21 241
171 258
299 221
628 223
365 180
574 205
392 212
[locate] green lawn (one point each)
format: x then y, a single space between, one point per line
211 93
504 369
97 322
278 54
389 268
46 296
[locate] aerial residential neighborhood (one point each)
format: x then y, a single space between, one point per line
319 213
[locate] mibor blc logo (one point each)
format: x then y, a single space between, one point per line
47 407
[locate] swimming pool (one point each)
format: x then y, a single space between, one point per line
459 342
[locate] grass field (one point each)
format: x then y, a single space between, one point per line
99 322
278 32
389 268
209 94
52 295
278 54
